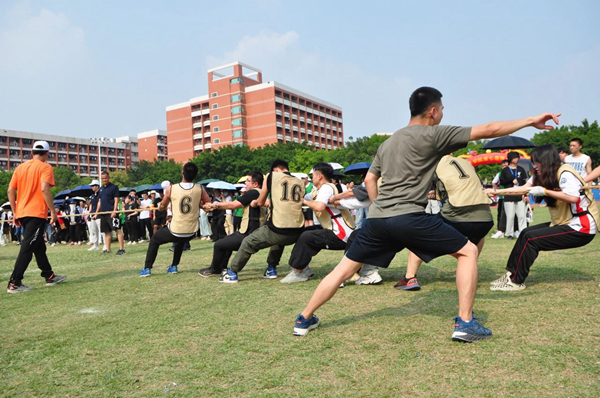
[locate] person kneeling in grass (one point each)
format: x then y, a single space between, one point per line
573 212
186 198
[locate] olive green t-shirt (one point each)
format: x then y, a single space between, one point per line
406 162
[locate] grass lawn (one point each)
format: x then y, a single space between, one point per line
108 333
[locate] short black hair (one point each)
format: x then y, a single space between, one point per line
563 150
512 155
279 163
325 169
256 176
105 173
504 161
577 140
39 152
422 99
190 171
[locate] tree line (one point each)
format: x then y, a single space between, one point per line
230 163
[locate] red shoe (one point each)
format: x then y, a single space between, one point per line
408 284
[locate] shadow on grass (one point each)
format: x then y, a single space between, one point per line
98 277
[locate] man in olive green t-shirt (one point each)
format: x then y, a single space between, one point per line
397 219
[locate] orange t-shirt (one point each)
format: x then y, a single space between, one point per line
27 180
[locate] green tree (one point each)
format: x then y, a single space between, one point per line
5 177
64 178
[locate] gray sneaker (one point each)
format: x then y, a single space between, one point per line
294 277
55 279
372 279
508 287
503 280
13 289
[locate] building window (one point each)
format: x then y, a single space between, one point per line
216 141
215 106
215 130
238 134
238 144
213 95
215 117
237 98
237 109
237 122
235 80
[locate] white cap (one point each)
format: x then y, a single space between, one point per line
95 182
41 146
165 184
152 192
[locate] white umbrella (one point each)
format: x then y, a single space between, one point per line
221 185
300 175
335 166
239 185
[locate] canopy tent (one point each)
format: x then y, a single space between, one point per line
207 181
125 191
143 188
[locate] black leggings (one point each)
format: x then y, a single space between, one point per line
161 237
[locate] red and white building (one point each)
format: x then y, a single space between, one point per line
242 110
152 145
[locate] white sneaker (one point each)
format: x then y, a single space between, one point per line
508 287
498 235
129 242
93 248
294 277
373 279
502 280
517 234
134 243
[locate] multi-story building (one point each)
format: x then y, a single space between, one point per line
242 110
152 145
85 157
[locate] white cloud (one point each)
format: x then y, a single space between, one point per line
369 100
34 43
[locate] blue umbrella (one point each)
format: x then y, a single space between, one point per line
82 190
509 142
357 168
59 202
63 194
156 187
222 185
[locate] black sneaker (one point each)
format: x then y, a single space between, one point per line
208 272
120 252
13 289
105 251
55 279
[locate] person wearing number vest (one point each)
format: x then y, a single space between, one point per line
336 226
581 162
466 208
252 219
186 198
406 163
573 214
283 226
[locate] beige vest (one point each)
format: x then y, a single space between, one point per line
461 183
561 213
185 205
325 218
287 193
246 216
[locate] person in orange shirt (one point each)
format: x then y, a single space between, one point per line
30 184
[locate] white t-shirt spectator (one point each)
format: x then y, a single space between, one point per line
146 213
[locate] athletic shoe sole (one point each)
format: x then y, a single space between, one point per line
304 331
468 337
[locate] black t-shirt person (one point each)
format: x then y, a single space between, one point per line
254 216
507 177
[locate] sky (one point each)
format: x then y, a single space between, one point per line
109 68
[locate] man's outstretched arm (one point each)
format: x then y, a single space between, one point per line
500 129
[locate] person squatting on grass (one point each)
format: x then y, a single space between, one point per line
187 198
573 212
397 219
252 219
30 199
283 226
466 208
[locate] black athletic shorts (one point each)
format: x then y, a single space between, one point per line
107 224
160 220
474 231
426 235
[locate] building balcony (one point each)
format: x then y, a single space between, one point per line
295 128
309 132
197 113
278 100
296 140
322 135
198 147
207 146
302 130
310 142
207 134
294 117
280 137
328 126
206 123
308 120
335 138
197 125
317 144
328 137
197 136
315 122
286 114
279 124
287 126
278 112
334 128
322 125
288 138
328 146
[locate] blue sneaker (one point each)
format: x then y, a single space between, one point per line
145 272
469 331
270 273
172 269
303 326
229 277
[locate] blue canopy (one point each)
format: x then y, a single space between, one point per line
156 187
63 194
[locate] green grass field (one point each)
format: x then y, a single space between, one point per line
108 333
